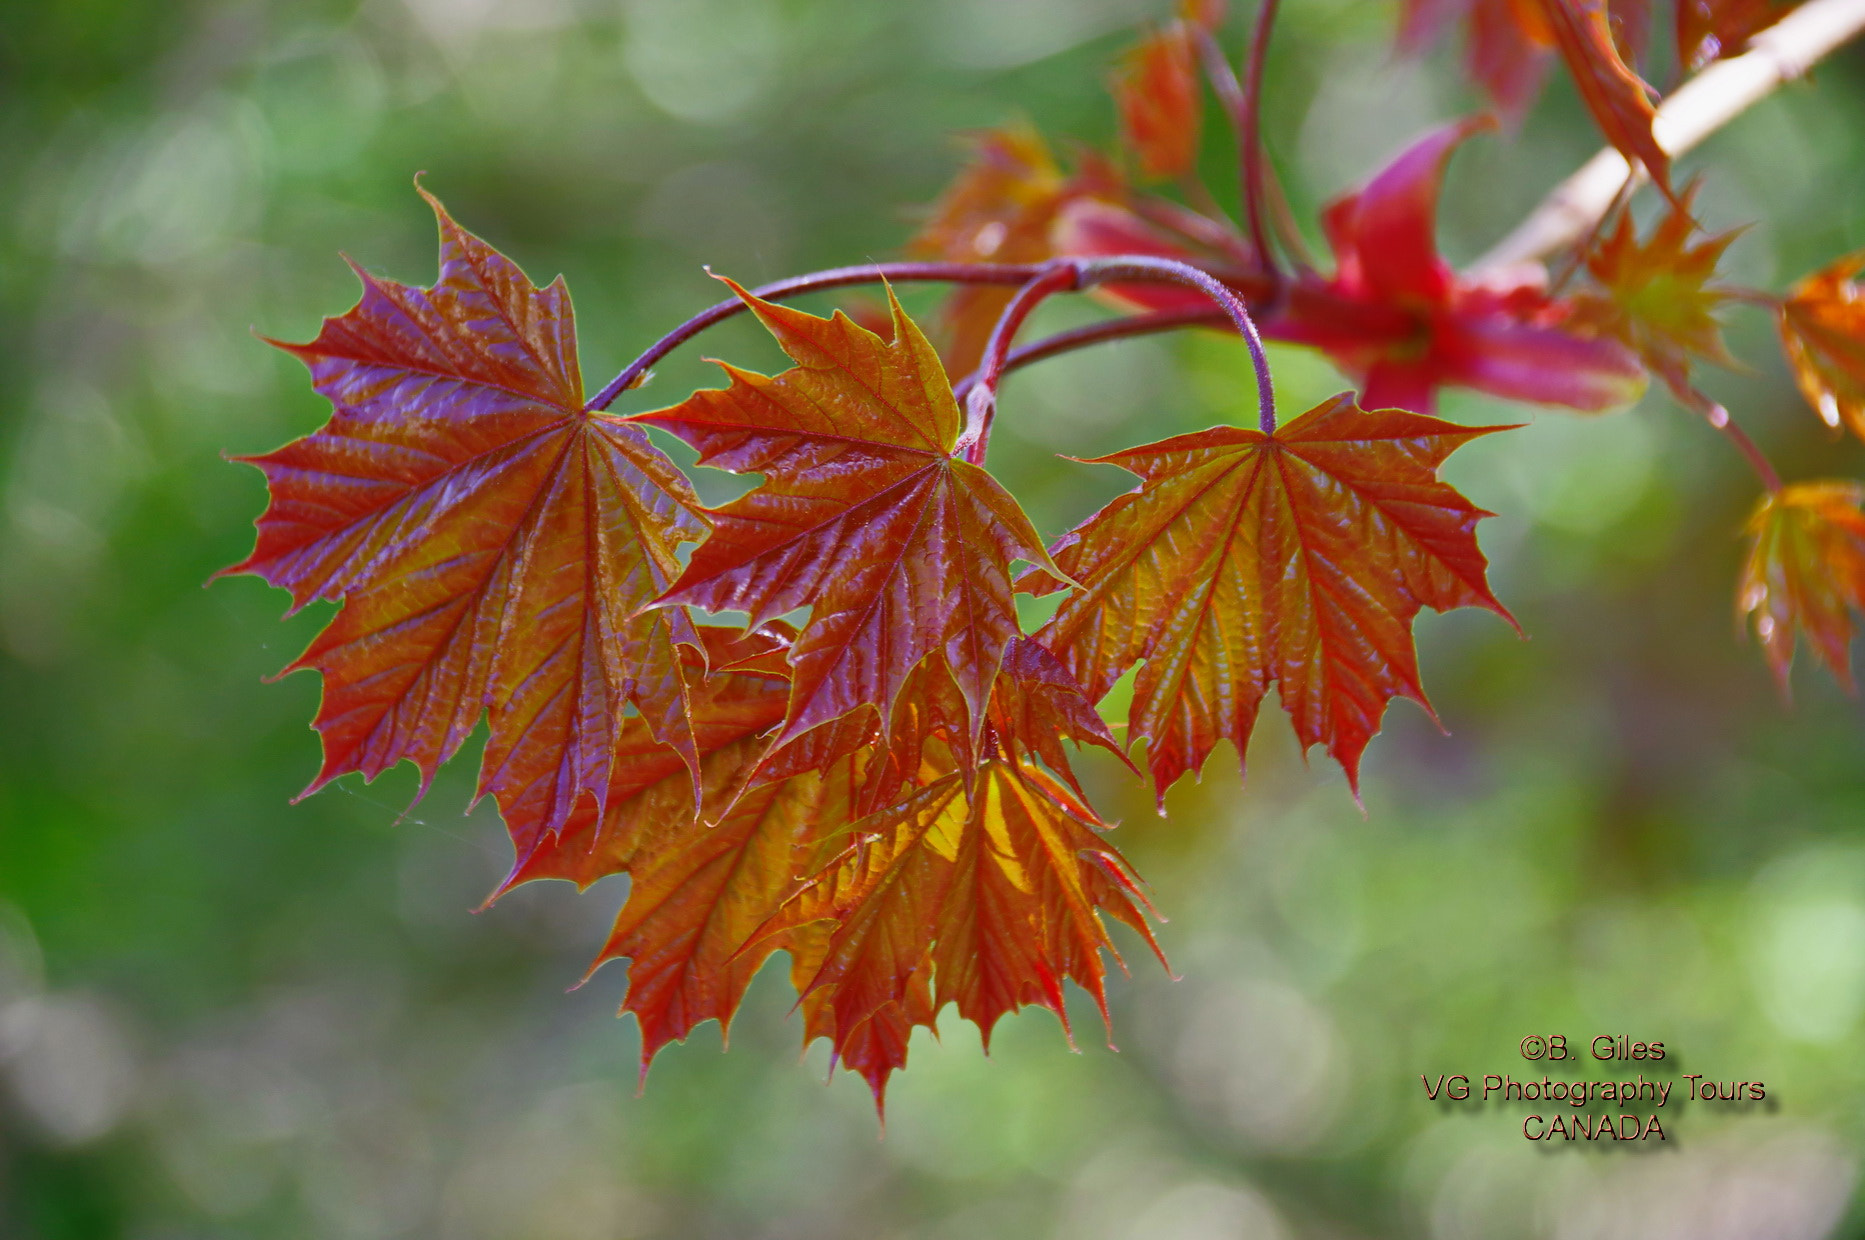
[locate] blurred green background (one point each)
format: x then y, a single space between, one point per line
226 1015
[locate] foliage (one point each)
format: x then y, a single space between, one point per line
881 790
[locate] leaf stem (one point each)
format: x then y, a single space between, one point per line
835 277
1125 268
1097 333
1237 106
981 400
1250 132
1717 415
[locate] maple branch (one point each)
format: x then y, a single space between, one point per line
1250 133
1697 109
981 400
835 277
1242 112
1139 267
1097 333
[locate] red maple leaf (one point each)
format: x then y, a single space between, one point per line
490 541
1245 560
869 516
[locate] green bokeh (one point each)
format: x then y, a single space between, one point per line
223 1014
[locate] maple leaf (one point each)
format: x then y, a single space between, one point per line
1618 98
991 898
489 540
1806 571
697 896
1155 89
650 795
1658 297
1822 324
1708 30
997 210
868 516
876 1047
1243 560
1422 326
1035 706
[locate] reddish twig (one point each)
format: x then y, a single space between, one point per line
836 277
1126 269
1097 333
981 400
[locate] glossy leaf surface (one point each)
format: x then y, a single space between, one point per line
490 542
1245 560
867 516
992 899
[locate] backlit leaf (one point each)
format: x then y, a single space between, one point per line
1822 326
1245 560
1618 98
994 898
1156 91
489 540
1806 571
867 516
650 793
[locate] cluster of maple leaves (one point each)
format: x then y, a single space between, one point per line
882 790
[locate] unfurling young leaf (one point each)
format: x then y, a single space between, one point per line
491 543
1806 570
1156 91
1823 331
1658 297
1247 560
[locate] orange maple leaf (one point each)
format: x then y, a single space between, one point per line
868 516
697 897
1658 297
1155 89
1822 324
490 541
1806 571
1244 560
732 706
1618 98
991 898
